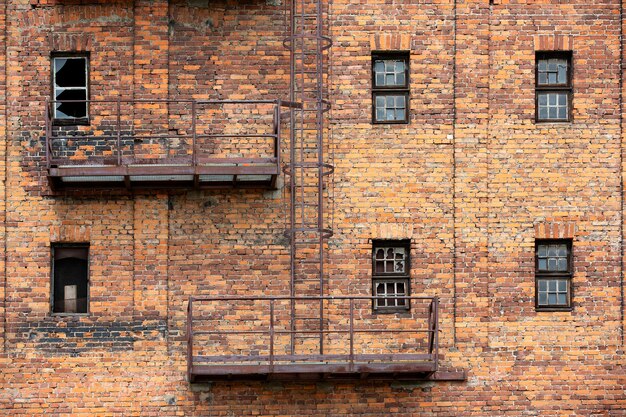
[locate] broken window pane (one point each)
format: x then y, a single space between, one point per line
70 72
391 289
70 88
68 110
390 276
388 260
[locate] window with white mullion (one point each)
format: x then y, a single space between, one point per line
390 87
553 274
552 292
552 106
389 72
390 107
553 86
70 88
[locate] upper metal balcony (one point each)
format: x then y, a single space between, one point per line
165 144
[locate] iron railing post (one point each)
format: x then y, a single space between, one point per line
351 334
277 133
119 133
436 329
48 130
321 321
271 335
429 334
189 338
194 134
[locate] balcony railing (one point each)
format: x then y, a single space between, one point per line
166 143
259 338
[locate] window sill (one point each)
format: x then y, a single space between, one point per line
392 310
70 314
553 122
552 309
391 122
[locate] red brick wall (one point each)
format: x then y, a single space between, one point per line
472 181
3 135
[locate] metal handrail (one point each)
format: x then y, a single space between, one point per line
432 324
283 103
118 135
327 297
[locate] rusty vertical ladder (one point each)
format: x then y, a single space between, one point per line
307 171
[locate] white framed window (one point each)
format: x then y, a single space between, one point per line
70 89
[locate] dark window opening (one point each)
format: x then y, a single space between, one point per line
390 275
70 277
553 266
70 89
390 88
553 86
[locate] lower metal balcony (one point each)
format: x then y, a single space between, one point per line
165 144
250 338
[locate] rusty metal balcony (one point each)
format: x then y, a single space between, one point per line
248 338
166 144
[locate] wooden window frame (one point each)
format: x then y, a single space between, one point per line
53 255
392 90
546 275
79 121
392 276
555 88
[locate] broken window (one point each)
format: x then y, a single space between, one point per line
390 274
553 266
70 89
70 278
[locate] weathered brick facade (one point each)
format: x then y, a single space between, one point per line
473 181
